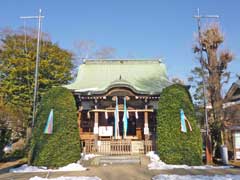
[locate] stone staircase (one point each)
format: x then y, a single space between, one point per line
120 160
124 159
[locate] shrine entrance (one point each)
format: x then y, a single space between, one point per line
137 84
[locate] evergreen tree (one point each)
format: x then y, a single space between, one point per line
63 145
174 146
17 68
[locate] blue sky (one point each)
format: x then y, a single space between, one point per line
140 28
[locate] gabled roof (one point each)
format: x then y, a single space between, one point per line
234 91
141 76
238 82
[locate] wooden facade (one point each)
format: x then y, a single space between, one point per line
98 84
232 120
97 112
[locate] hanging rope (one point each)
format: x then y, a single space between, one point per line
88 115
106 115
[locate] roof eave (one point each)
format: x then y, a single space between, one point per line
104 91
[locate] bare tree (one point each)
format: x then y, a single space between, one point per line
105 52
178 81
215 62
87 49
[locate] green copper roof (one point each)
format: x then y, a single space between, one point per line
142 76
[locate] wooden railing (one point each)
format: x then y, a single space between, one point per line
116 147
87 136
89 146
104 147
148 146
120 147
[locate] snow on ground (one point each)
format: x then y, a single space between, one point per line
86 157
26 168
66 178
69 167
156 163
196 177
72 167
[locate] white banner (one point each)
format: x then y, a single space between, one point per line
146 131
95 129
105 130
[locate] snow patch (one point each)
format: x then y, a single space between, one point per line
86 157
72 167
67 178
26 168
156 163
196 177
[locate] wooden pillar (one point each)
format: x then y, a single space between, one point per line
80 129
146 128
234 145
95 131
79 121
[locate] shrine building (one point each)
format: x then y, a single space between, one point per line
100 90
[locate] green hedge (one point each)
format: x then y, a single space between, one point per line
173 146
63 146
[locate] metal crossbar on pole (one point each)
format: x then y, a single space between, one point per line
39 17
199 17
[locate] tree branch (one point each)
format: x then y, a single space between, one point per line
205 64
227 76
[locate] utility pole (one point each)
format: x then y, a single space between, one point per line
208 142
39 18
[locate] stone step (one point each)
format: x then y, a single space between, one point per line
119 160
119 157
125 161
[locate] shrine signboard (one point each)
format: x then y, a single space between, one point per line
105 131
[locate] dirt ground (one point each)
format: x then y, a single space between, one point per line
121 172
12 163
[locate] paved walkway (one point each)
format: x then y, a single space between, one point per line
121 172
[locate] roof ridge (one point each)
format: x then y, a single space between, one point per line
121 61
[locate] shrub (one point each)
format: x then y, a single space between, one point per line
17 154
63 145
174 146
5 135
